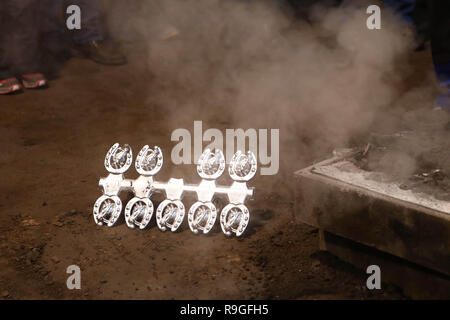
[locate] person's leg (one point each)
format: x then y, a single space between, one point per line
22 35
91 27
440 46
8 83
89 40
440 39
55 41
4 63
404 7
53 25
20 45
420 17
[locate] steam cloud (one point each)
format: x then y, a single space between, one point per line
320 80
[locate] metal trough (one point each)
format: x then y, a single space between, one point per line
345 201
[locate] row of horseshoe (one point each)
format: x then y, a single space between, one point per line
234 217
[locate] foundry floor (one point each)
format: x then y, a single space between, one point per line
53 144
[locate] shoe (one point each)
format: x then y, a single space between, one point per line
102 52
34 80
10 85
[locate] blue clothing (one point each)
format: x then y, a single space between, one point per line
404 7
443 74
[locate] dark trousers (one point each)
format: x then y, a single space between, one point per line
440 30
54 14
19 37
30 27
440 39
403 7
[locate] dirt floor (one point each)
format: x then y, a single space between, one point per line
54 142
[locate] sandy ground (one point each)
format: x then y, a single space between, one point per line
53 145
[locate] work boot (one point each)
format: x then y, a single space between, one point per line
102 52
34 80
10 85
